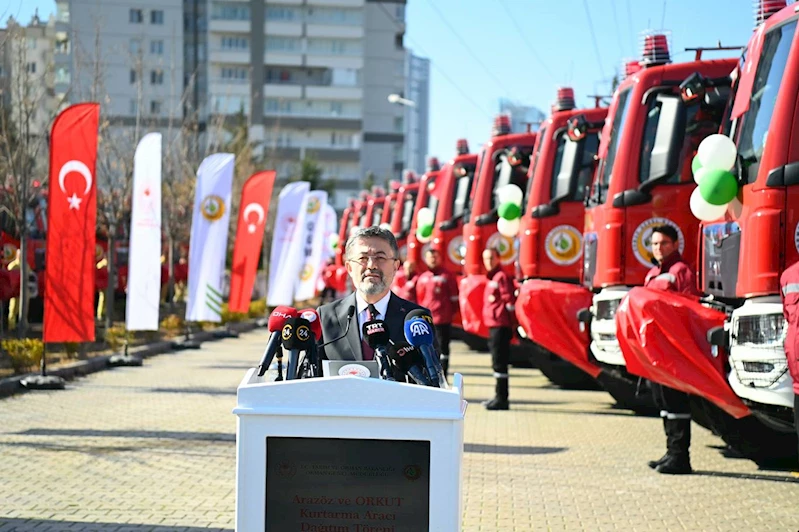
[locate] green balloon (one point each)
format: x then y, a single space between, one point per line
425 230
509 211
696 164
717 187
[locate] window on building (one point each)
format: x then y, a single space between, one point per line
135 46
62 46
134 107
30 68
283 44
62 75
157 47
157 16
283 13
155 107
230 11
132 76
398 41
136 16
235 43
336 108
31 43
399 124
157 77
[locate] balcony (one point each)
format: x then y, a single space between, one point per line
336 3
334 93
226 55
229 26
334 61
231 86
282 90
344 31
283 29
283 58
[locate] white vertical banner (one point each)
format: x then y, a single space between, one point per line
330 220
312 242
208 242
144 252
290 208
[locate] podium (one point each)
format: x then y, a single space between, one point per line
348 453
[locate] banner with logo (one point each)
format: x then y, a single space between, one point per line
311 244
253 207
289 209
208 241
71 217
330 221
144 252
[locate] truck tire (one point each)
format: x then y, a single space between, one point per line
625 389
563 373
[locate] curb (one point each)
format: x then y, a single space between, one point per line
12 385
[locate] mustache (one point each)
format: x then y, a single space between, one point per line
372 272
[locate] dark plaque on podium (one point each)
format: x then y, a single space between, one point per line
333 484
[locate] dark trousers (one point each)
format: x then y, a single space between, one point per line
443 335
796 413
499 344
675 409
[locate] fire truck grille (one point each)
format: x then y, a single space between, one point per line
761 373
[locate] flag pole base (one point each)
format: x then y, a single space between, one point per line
227 332
124 359
43 382
187 342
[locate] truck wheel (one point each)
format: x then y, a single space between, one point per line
624 388
563 373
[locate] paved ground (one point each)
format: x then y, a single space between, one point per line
153 449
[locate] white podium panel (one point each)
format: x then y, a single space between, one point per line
348 454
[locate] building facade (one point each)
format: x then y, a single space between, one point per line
417 117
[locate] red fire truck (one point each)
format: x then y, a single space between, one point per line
429 196
551 233
504 160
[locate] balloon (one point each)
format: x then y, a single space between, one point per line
510 194
334 240
717 187
508 228
425 216
425 231
704 210
385 226
717 152
509 211
735 208
696 164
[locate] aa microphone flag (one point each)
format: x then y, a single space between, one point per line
144 256
254 206
71 217
283 256
208 241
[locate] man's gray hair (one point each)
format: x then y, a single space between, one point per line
373 232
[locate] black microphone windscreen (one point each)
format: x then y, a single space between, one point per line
375 333
296 334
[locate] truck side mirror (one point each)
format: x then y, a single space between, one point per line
584 315
665 158
631 197
545 211
448 225
490 217
719 337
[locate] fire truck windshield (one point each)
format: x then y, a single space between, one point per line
432 201
407 211
563 170
616 130
463 187
377 212
511 169
752 127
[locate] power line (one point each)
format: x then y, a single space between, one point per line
434 65
663 18
593 37
491 75
527 42
630 24
618 30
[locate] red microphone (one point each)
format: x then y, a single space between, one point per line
277 320
313 318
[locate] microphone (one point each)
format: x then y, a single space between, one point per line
350 314
313 365
276 322
409 361
419 334
420 313
296 337
376 335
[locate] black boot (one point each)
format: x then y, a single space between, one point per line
678 437
500 401
654 463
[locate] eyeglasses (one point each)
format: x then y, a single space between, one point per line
378 260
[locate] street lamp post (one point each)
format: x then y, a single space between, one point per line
396 98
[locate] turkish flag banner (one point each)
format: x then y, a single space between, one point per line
71 215
253 208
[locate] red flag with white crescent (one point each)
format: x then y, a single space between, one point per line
253 207
71 215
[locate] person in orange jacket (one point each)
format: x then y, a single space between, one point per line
437 290
498 308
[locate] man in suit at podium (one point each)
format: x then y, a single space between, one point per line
372 259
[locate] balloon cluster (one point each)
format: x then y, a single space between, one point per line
718 188
509 199
424 224
333 241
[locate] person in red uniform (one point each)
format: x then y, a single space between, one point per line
405 281
497 310
437 290
672 274
789 291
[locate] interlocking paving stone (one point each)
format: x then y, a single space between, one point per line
152 449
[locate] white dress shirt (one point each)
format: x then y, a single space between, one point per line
361 306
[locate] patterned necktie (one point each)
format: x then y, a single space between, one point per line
366 349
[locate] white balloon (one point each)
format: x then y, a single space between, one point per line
704 210
717 152
385 226
509 193
423 239
735 208
508 228
425 216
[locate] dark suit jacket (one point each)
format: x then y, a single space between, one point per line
334 321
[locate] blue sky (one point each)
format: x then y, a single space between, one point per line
483 50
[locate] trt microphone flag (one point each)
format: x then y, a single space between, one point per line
208 242
71 217
311 244
254 206
290 209
144 254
